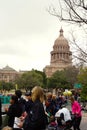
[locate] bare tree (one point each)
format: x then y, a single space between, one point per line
79 53
73 11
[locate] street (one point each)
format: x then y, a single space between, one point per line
84 121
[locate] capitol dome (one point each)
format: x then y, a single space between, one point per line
61 42
61 56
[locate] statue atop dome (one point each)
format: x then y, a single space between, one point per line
61 32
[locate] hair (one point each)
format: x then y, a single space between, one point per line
18 93
72 99
49 95
53 96
6 128
37 94
14 98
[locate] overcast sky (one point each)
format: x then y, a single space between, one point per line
27 33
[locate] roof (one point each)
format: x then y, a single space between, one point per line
7 68
61 40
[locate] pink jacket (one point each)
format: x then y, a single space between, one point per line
76 109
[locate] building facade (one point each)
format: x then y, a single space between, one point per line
8 74
61 56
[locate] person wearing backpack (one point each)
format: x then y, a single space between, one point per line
35 120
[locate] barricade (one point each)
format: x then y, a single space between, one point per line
5 99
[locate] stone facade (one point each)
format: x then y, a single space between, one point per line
61 56
8 74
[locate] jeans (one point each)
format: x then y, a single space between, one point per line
76 123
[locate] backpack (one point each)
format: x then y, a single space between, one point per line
36 119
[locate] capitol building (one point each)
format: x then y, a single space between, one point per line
61 56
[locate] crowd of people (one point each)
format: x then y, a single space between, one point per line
39 110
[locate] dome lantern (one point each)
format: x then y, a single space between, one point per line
61 32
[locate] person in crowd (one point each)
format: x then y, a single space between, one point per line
0 114
50 104
76 110
76 96
21 100
59 101
63 117
29 102
28 105
13 111
35 120
47 116
55 103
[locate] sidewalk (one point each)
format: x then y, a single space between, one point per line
84 114
84 121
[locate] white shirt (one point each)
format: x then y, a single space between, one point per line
66 113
